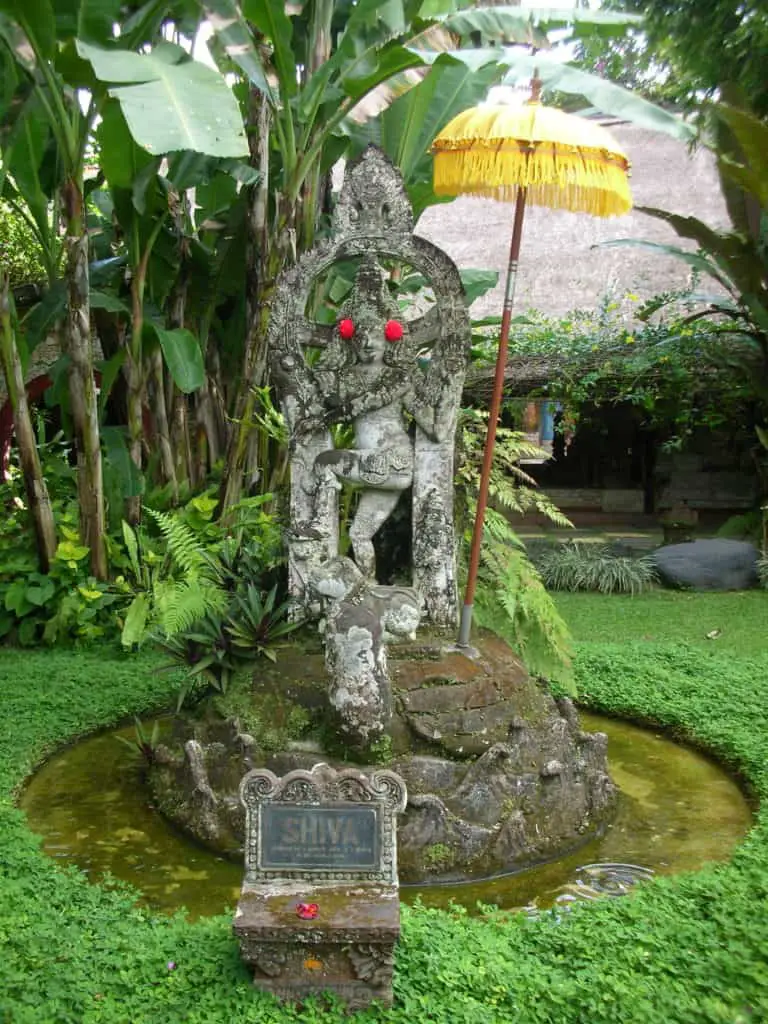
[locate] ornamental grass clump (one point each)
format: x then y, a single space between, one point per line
583 566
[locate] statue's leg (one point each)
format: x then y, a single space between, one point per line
374 508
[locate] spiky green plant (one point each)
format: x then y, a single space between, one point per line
255 621
218 646
576 566
144 743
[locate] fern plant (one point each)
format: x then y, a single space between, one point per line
510 489
171 591
511 599
179 602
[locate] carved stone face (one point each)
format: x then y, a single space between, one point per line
372 343
368 307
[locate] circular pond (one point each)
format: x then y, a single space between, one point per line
677 810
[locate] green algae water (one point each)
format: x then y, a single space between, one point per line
677 811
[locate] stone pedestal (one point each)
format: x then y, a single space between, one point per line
347 949
319 909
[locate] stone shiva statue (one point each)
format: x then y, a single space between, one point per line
396 382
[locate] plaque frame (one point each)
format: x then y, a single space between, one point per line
323 786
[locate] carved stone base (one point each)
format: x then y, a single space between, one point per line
347 949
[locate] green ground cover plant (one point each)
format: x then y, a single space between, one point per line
691 948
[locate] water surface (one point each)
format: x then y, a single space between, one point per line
677 811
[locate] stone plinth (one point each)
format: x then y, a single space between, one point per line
347 949
319 909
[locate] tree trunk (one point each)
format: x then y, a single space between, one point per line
134 378
82 386
177 402
38 501
162 428
261 268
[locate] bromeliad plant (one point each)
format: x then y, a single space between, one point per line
221 645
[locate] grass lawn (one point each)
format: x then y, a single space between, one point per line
691 949
667 615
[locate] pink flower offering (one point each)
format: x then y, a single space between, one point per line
307 911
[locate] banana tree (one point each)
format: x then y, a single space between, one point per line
167 103
310 71
29 36
36 40
179 223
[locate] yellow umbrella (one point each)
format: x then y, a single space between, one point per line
531 154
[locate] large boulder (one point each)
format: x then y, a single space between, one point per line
708 564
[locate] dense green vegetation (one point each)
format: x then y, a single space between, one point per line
177 284
690 948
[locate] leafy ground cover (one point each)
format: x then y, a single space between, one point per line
739 619
692 948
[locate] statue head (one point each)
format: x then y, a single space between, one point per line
369 321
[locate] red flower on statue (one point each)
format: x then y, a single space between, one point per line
307 911
346 329
393 330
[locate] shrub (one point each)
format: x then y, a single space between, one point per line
583 566
20 251
744 526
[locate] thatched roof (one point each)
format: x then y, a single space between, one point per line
559 268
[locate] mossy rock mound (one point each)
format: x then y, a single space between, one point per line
499 774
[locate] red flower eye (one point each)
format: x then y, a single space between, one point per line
346 329
393 331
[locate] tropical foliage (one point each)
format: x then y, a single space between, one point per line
678 371
688 49
175 258
736 260
510 597
679 949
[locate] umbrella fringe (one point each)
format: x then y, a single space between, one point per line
582 182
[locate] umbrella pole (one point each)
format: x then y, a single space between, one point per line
493 418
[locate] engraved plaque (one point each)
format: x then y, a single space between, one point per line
337 836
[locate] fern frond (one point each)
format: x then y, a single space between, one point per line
515 605
179 604
498 530
184 549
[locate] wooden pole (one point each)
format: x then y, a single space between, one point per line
493 419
